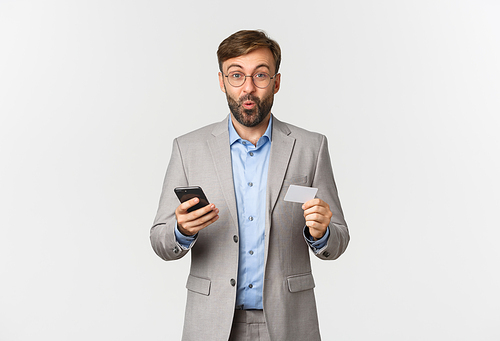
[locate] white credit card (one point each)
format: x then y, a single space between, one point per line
300 193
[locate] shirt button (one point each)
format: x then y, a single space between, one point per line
250 184
235 238
250 252
233 282
250 218
250 286
244 142
251 153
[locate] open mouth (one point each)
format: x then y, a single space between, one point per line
248 104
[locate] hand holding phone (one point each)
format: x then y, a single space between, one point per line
194 213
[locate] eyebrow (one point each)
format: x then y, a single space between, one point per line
257 67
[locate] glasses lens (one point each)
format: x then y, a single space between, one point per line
261 79
236 78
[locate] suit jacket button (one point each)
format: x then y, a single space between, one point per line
233 282
176 249
326 254
235 238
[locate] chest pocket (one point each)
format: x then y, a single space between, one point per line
295 180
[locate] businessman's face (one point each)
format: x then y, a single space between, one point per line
250 102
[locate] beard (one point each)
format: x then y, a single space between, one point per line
250 117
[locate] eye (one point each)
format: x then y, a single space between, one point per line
261 76
236 75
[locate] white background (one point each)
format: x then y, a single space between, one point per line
93 92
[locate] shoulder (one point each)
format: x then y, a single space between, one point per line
299 134
200 132
203 133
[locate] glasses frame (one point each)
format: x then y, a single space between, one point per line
252 77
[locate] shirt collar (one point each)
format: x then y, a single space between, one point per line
234 136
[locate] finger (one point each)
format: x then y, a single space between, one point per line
193 226
315 209
207 223
318 210
205 217
188 204
317 218
202 211
312 224
317 222
186 219
311 203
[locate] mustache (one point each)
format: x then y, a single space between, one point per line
249 97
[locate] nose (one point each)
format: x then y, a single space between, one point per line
248 86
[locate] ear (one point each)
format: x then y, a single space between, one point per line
221 82
277 83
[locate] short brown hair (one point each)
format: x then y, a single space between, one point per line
246 41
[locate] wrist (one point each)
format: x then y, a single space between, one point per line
183 231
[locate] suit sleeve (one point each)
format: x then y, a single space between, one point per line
327 191
162 234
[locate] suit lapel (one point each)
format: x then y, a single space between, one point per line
281 150
221 155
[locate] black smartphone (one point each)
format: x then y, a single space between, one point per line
186 193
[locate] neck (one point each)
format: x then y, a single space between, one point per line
252 134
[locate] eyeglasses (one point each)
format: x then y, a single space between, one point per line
260 79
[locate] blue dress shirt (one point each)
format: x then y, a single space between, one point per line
250 166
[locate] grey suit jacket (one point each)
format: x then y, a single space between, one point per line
203 158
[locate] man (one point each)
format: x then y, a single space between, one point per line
250 276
